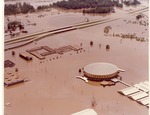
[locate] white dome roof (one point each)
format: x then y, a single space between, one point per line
101 68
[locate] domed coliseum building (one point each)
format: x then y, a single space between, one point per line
101 71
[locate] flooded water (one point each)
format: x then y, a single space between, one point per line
54 88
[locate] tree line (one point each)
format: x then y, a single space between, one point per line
79 4
88 6
43 7
12 9
17 8
128 3
99 10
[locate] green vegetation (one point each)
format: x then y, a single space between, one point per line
80 70
107 47
91 43
89 6
18 8
12 9
79 4
130 36
98 10
128 3
43 7
106 29
138 17
12 26
13 52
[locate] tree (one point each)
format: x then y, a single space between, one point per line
27 8
107 47
138 17
80 70
13 52
91 43
16 70
106 30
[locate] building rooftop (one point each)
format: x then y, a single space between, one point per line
101 68
86 112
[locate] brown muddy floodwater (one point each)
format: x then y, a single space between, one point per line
53 88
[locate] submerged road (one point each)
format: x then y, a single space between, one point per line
24 40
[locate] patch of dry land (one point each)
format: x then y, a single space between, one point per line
53 88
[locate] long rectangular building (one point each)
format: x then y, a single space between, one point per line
139 86
138 95
144 85
144 101
129 90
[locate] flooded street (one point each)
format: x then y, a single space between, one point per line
53 88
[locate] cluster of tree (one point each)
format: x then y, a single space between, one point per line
18 8
128 3
106 29
79 4
43 7
139 17
140 22
89 6
98 10
130 36
11 26
117 4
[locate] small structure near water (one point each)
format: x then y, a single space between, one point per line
42 51
106 83
12 79
8 63
25 56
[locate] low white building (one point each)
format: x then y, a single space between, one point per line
139 86
144 101
86 112
138 95
128 91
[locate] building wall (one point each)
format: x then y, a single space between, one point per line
100 77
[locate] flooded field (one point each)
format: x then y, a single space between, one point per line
53 87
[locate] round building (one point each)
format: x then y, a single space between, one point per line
101 71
